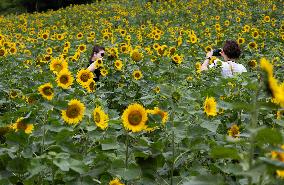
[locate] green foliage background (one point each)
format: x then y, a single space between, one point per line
192 148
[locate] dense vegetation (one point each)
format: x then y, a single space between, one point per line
154 117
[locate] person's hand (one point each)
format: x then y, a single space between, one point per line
209 54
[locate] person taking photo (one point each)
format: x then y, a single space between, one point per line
230 53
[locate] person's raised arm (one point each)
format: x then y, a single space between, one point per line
205 64
92 67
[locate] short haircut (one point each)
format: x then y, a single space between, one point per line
232 49
97 49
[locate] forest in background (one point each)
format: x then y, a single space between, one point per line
22 6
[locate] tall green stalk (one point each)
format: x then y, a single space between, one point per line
254 120
126 151
173 157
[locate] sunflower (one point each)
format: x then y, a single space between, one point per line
157 89
13 94
49 50
118 65
74 113
91 86
234 131
255 34
252 45
280 173
134 117
193 39
57 65
252 63
164 115
172 50
67 44
115 181
122 32
64 79
227 23
157 37
106 36
22 125
277 155
3 52
210 106
104 72
79 35
136 55
266 66
266 18
137 74
208 48
124 48
156 46
198 67
99 63
177 59
59 36
45 36
241 40
83 76
100 118
13 50
276 90
82 48
46 90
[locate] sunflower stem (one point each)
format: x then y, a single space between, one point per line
173 157
254 120
126 151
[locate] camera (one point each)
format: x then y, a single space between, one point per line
217 52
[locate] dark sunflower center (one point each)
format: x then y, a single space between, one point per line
85 77
73 111
64 79
21 126
13 93
47 91
135 118
137 75
234 131
252 45
92 86
2 52
97 117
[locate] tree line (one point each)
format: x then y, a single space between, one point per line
21 6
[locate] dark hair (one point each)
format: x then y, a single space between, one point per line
232 49
96 49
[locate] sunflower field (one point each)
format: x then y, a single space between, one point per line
153 117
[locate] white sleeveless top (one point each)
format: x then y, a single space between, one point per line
229 68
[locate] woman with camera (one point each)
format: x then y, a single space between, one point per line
230 52
98 53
